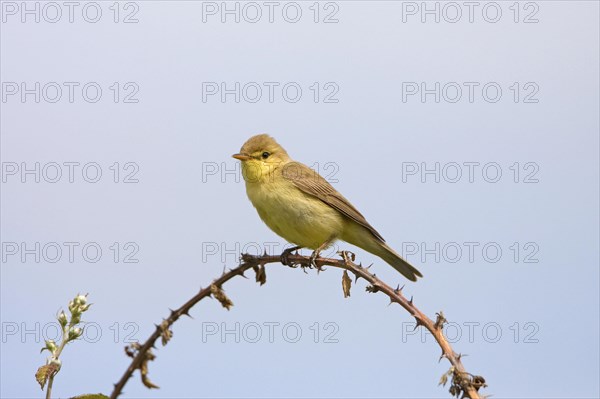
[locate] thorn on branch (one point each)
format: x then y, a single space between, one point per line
418 323
241 273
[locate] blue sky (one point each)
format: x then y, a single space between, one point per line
470 143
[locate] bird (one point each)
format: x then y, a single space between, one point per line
299 205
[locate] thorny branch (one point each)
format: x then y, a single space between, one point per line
463 383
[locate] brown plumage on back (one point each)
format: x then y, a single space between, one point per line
310 182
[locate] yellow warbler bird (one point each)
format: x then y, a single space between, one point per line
303 208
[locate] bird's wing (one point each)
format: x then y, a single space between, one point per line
310 182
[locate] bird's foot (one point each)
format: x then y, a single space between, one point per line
313 260
285 256
316 252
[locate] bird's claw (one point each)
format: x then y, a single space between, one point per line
285 256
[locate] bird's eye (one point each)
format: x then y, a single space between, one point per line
265 155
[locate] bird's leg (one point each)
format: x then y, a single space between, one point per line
284 256
317 252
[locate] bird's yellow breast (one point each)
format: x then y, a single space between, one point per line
297 217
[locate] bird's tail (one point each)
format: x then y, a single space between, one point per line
396 261
364 239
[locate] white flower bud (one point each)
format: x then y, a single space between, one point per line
62 319
80 300
75 333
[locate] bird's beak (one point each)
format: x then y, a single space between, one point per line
241 157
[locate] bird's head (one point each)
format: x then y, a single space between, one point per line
261 155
